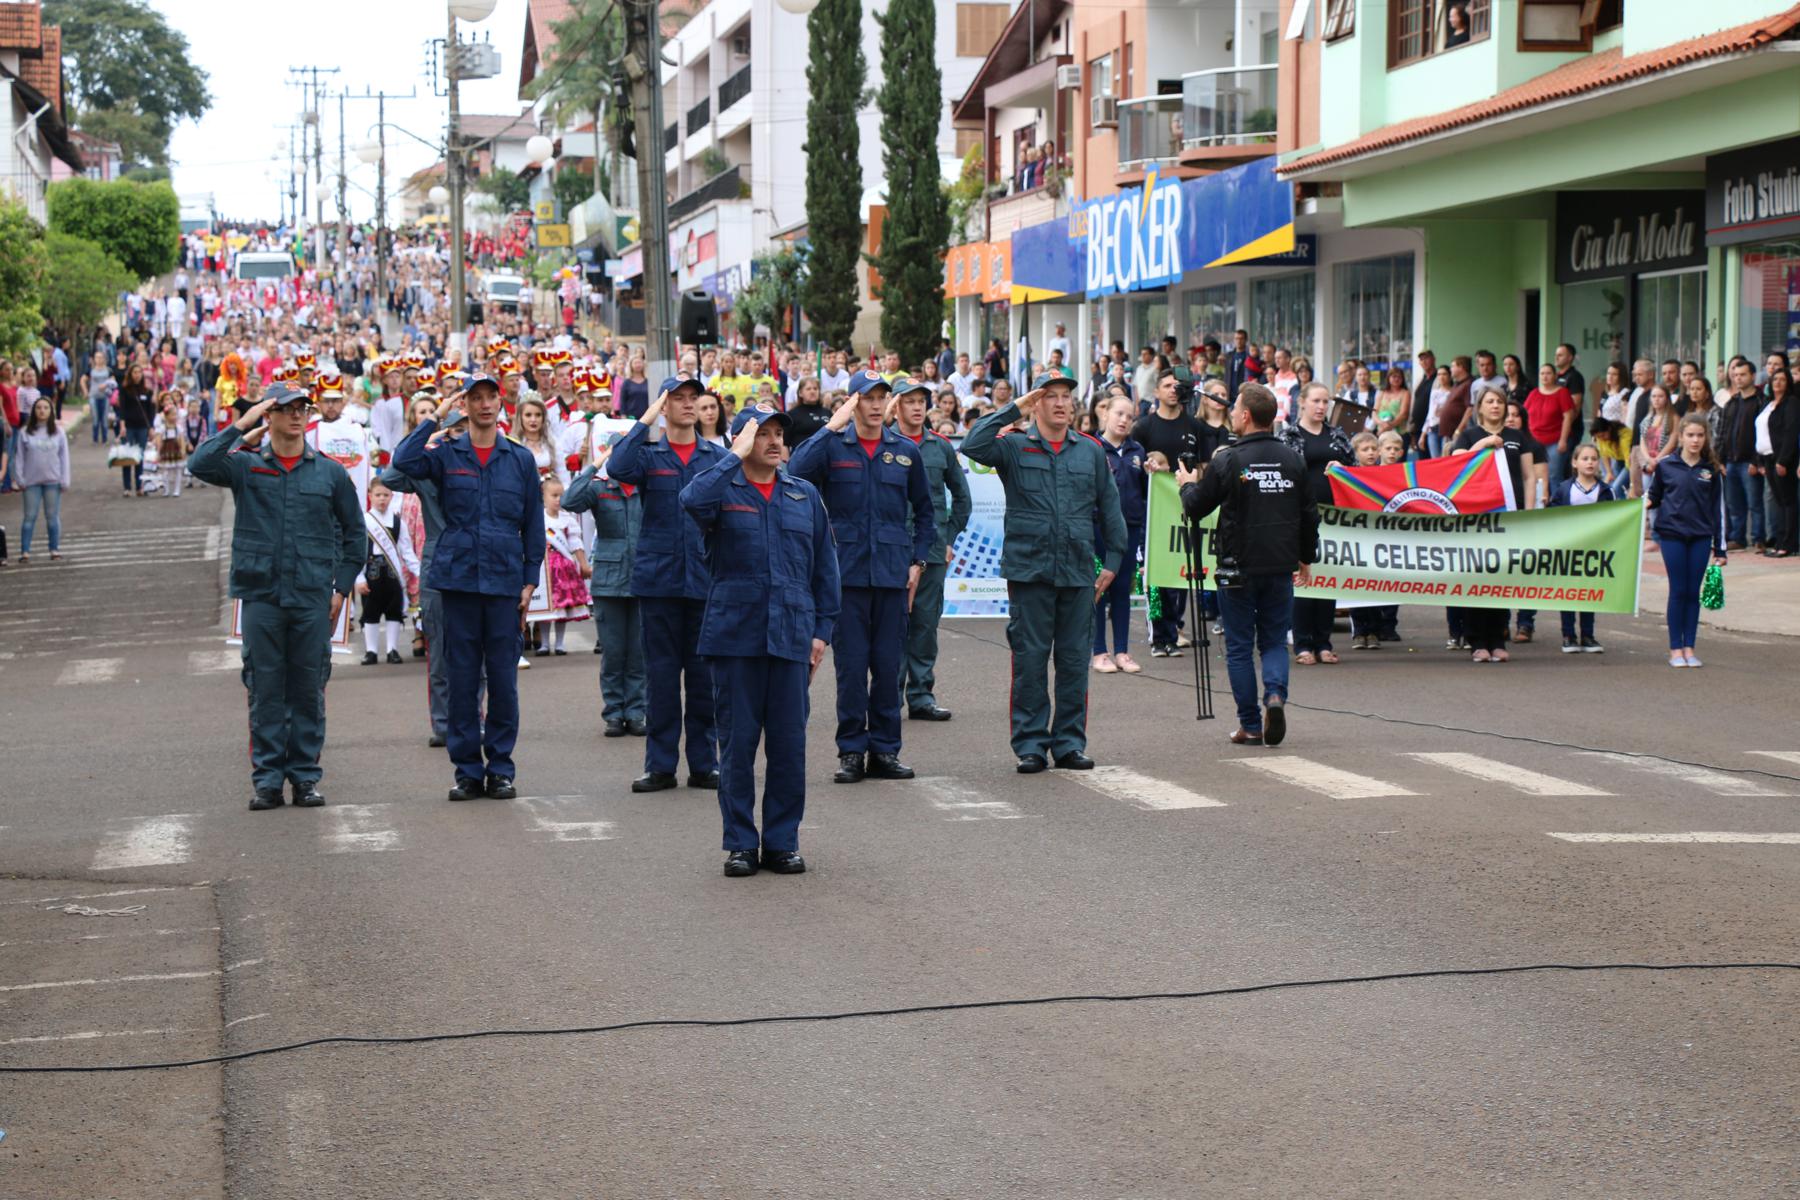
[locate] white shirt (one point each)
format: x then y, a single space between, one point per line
346 443
1765 444
838 381
1059 343
962 383
387 422
1577 496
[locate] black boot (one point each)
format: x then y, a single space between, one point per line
850 769
888 766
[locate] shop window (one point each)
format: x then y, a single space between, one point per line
1210 314
1769 300
1374 314
1419 29
1340 19
1281 311
1670 321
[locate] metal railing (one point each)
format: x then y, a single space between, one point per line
1228 107
734 88
698 116
671 137
1149 130
727 185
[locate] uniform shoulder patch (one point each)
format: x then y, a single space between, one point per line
793 495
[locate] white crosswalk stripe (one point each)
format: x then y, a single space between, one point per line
1325 780
1493 771
148 842
358 829
1749 839
960 802
201 662
553 818
89 670
1140 791
1719 783
1790 756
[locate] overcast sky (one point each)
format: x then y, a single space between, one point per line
379 45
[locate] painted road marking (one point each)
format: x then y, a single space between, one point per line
162 978
358 829
1317 777
90 1034
202 661
1140 791
1719 783
1791 756
549 820
1751 839
960 802
149 842
1517 778
89 670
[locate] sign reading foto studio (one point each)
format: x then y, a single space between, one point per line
1753 194
1601 235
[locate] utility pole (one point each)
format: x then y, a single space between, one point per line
380 161
343 237
453 168
312 99
643 67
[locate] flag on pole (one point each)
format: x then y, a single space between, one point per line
1464 483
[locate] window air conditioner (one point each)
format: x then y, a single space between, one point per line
1068 77
1103 111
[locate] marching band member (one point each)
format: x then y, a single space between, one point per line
341 439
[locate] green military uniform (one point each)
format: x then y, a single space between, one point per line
944 476
297 538
1052 500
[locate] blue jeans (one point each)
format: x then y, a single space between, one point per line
12 443
1558 461
48 496
1257 614
1587 624
1743 497
1685 561
1434 444
101 407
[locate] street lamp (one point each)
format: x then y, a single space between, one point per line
539 148
798 7
466 10
438 194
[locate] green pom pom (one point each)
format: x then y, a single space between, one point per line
1712 588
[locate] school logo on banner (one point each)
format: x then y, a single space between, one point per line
1467 483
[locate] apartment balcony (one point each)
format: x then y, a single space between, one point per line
734 103
698 116
1228 114
726 185
1149 132
1008 214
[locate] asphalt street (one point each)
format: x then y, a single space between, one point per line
1444 816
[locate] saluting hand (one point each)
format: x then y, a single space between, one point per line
846 412
449 402
254 415
655 409
1027 403
892 412
745 441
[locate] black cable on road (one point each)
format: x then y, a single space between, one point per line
907 1011
1416 724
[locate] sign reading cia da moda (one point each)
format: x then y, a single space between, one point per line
1602 235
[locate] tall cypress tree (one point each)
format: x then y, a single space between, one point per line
914 238
835 71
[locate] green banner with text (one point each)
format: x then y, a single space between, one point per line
1583 559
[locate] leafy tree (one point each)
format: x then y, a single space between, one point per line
139 224
918 220
571 188
82 283
21 279
130 72
835 70
776 284
510 190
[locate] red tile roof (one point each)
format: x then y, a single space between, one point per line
1588 74
19 27
45 73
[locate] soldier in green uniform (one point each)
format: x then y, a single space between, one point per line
1058 485
296 545
944 477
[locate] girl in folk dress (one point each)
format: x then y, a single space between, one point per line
566 571
385 577
169 434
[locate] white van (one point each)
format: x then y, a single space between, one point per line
501 291
264 264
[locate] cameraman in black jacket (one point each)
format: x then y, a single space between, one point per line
1268 536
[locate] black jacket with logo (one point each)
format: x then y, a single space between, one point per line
1268 520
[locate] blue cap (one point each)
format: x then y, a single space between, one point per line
475 381
281 395
866 382
1051 379
907 385
759 413
675 383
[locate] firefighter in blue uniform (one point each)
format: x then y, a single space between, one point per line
1059 490
669 580
943 474
485 567
297 542
871 478
618 518
769 616
431 604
